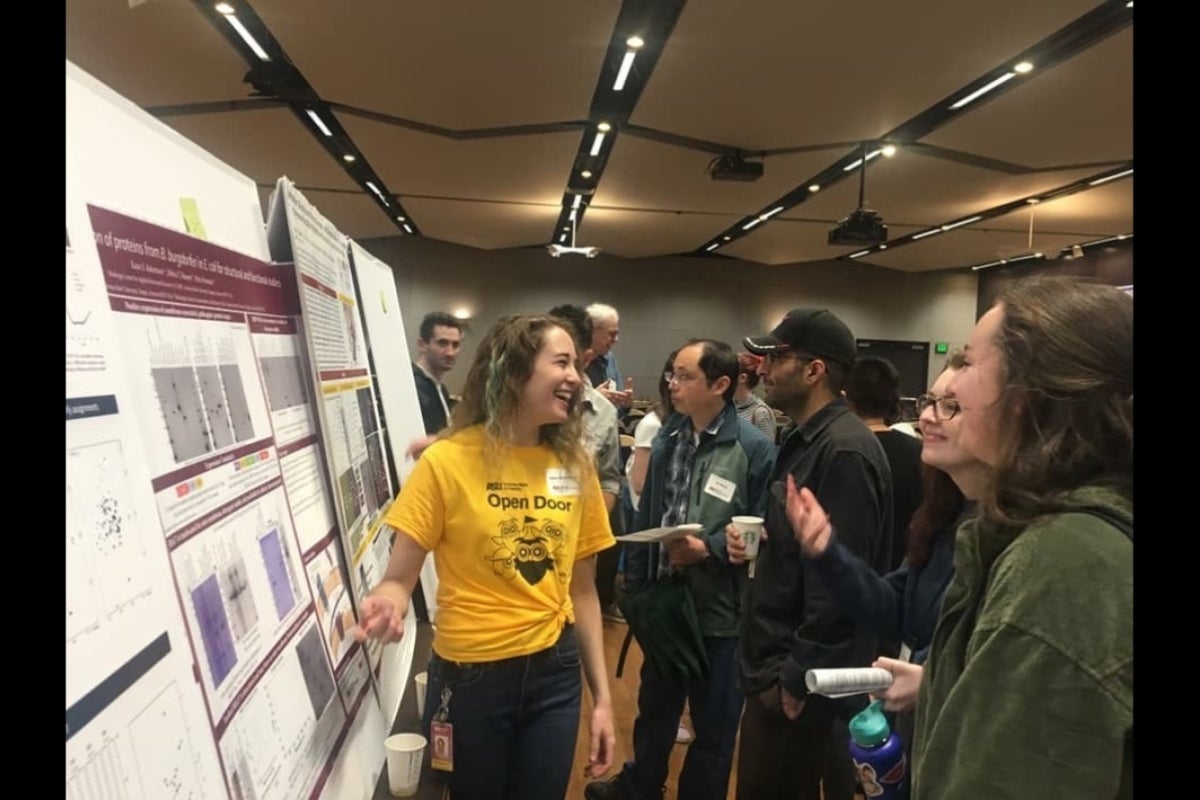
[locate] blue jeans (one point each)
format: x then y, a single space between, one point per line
716 706
515 722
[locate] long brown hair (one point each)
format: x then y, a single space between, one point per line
492 393
1066 416
941 502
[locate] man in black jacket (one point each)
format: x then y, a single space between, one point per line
438 345
792 743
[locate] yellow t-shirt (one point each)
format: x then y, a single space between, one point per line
506 540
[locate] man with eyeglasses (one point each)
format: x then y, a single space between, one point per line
793 742
707 465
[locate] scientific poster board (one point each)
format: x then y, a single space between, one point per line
203 656
348 411
393 369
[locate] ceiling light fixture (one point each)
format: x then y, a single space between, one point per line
601 129
320 123
408 228
559 249
348 158
1108 178
923 234
751 223
961 222
634 43
462 313
224 8
981 91
1023 67
578 199
870 155
713 246
246 37
399 219
814 187
587 173
1033 201
859 253
771 213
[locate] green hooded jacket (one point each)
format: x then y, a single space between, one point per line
1028 690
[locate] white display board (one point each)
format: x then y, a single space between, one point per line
206 634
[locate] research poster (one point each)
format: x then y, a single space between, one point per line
134 719
214 368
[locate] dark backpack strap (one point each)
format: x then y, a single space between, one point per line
624 652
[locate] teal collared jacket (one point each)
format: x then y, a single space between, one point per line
743 457
1028 689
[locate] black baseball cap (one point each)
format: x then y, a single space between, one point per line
812 331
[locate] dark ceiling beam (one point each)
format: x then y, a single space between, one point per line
652 21
277 81
1073 38
967 221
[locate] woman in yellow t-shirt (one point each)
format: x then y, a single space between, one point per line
510 503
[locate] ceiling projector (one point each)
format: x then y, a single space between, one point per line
862 227
734 168
557 250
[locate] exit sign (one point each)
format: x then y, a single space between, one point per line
941 348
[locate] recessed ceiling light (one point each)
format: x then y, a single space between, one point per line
587 173
320 123
889 150
462 313
713 246
224 8
399 219
1108 178
1024 67
636 41
982 90
814 187
1033 201
1129 4
883 247
250 41
604 127
348 158
727 238
408 227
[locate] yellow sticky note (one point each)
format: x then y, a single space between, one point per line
191 217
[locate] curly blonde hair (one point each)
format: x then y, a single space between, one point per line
491 397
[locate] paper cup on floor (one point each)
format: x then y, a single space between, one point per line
405 752
751 529
421 681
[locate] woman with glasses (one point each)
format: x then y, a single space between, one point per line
904 604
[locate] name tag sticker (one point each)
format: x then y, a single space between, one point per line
720 488
562 483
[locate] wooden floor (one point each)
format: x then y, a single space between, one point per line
624 692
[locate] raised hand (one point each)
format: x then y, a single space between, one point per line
810 524
380 618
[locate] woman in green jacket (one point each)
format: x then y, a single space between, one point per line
1028 689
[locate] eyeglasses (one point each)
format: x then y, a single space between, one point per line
944 408
677 378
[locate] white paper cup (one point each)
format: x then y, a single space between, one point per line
421 681
751 529
405 752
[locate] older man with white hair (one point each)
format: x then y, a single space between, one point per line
603 370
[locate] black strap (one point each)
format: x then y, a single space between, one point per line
624 652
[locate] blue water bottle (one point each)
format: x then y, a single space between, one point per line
878 755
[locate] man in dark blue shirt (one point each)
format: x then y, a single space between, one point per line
438 346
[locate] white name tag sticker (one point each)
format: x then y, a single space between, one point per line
720 488
562 483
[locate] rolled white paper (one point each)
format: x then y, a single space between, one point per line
847 681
